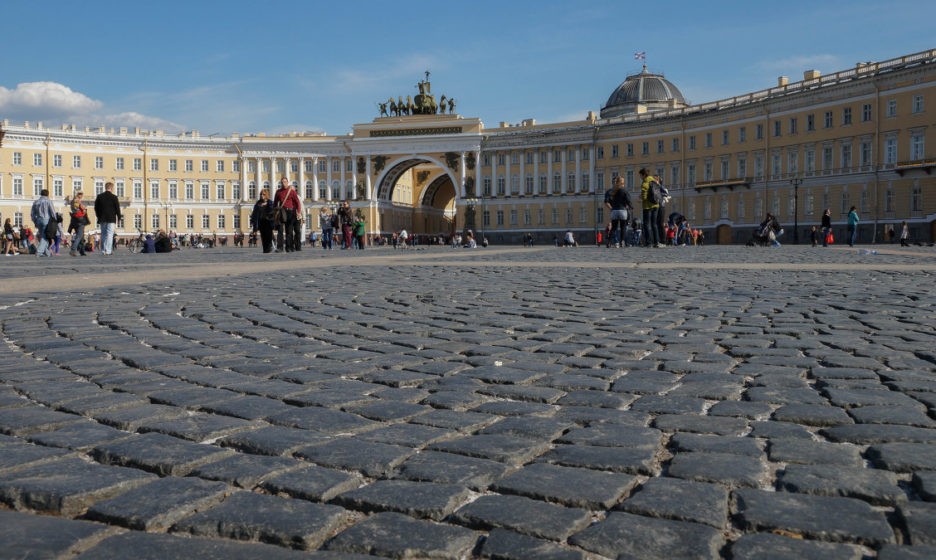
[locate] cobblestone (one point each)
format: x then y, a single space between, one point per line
500 403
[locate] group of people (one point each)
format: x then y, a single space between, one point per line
657 229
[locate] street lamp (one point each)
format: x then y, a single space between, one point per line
470 204
796 181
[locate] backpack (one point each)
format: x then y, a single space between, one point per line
655 193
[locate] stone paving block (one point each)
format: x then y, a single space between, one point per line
871 485
156 505
719 425
383 410
366 457
645 382
746 446
397 536
149 546
814 517
598 399
573 487
895 552
16 454
924 482
920 521
773 430
843 373
191 397
767 546
503 374
855 398
100 402
742 409
812 415
642 460
497 447
273 440
879 433
515 408
269 519
890 414
450 468
246 471
665 404
728 469
508 545
132 417
314 483
416 499
27 420
454 400
609 435
533 428
158 453
680 500
197 426
323 420
455 420
248 407
523 515
627 536
409 435
28 536
903 457
807 452
784 395
66 487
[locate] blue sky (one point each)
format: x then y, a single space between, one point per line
291 65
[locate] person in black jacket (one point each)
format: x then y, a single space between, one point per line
107 213
618 201
261 219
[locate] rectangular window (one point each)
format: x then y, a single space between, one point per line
155 221
138 222
866 112
119 188
708 139
828 119
204 165
98 187
219 167
793 125
57 160
154 164
173 191
916 199
528 185
500 217
570 183
205 188
189 165
557 184
236 190
17 158
776 128
810 160
742 135
154 191
190 221
119 164
630 149
137 189
599 152
513 217
37 160
221 221
585 185
58 187
645 148
614 151
543 184
827 159
659 146
890 151
205 221
724 138
219 191
528 158
515 185
17 186
138 164
891 107
76 162
38 185
675 145
810 123
846 156
742 167
865 153
846 116
917 144
759 132
917 103
190 191
501 186
98 162
486 187
692 144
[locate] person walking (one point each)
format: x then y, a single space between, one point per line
650 210
618 201
904 234
9 236
79 219
261 220
43 216
107 213
359 231
346 219
826 227
328 229
853 220
289 208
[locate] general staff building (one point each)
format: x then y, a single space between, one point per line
862 137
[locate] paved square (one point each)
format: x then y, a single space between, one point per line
710 402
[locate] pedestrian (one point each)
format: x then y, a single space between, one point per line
404 236
79 219
43 216
9 239
346 221
328 229
853 220
650 211
618 201
107 213
261 220
359 231
814 236
826 227
904 234
289 211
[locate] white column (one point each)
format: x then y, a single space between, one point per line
367 181
315 185
536 172
549 170
272 175
243 175
508 180
353 192
563 157
493 174
328 178
341 187
478 177
578 170
302 178
522 173
462 175
591 170
258 177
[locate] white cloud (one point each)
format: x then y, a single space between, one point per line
53 103
44 100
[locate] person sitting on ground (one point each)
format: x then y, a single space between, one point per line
149 244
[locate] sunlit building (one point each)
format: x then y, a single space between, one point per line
860 137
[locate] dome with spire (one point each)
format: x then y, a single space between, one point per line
642 93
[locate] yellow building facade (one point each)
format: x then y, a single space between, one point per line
861 137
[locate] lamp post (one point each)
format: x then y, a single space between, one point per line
796 181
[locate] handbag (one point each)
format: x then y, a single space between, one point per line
830 239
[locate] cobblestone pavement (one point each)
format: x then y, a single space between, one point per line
714 402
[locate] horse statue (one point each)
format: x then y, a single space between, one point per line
393 107
451 105
383 110
442 105
410 108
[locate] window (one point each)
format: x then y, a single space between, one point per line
659 146
846 156
155 221
724 168
528 185
759 132
707 171
154 191
724 138
889 199
866 112
205 221
544 157
486 190
742 167
57 160
615 151
18 219
251 191
76 162
17 186
119 164
585 185
692 145
501 186
98 162
630 149
644 148
189 165
309 191
846 116
675 145
309 164
138 164
891 107
917 143
154 164
810 160
58 187
792 162
917 103
515 158
500 217
515 185
742 135
528 158
691 174
237 221
570 183
865 153
557 184
890 151
513 217
119 188
138 222
828 119
219 190
775 164
502 159
916 198
827 158
173 191
37 160
758 166
222 221
190 191
173 165
543 184
205 188
17 158
98 187
599 152
776 128
810 123
793 125
38 185
219 166
204 165
586 154
708 139
137 189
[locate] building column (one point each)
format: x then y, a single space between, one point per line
592 187
508 180
328 179
522 173
493 174
315 185
462 175
353 193
243 175
302 177
563 157
258 174
342 190
367 181
272 175
536 172
578 170
478 177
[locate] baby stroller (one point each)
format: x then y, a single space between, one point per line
766 234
